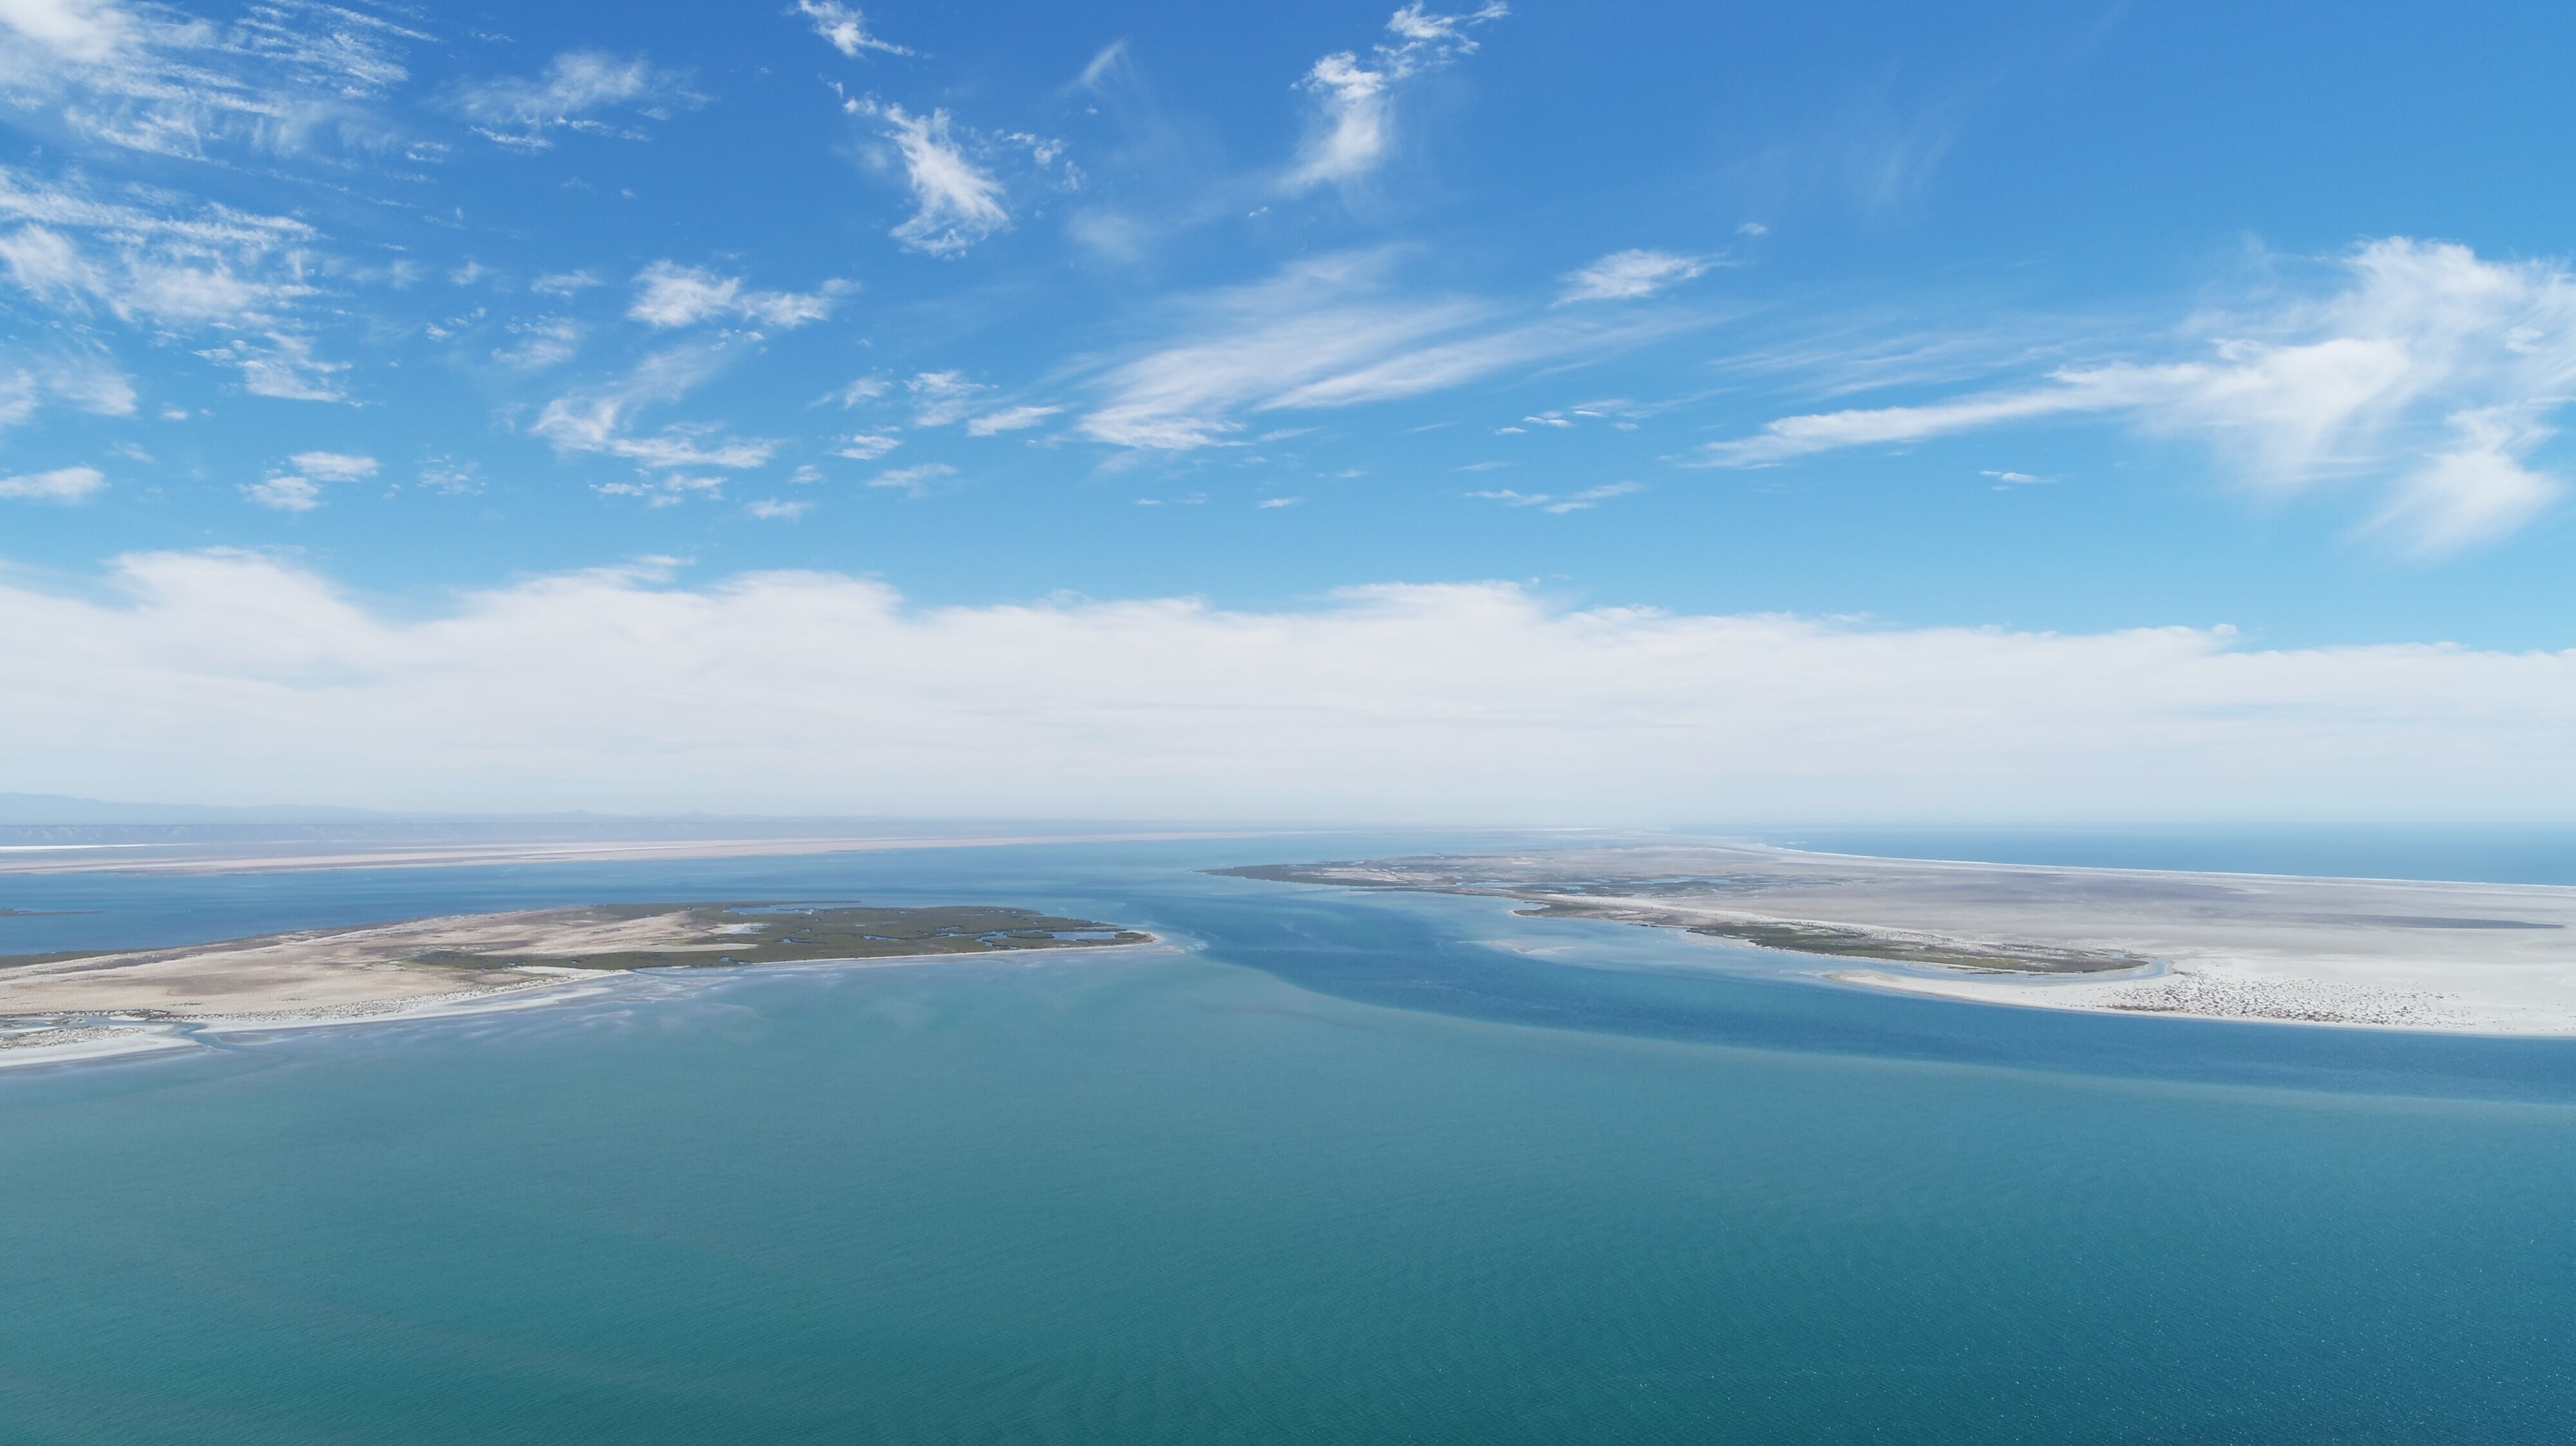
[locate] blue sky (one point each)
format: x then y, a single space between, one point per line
1888 323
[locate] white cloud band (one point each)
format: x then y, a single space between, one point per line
815 692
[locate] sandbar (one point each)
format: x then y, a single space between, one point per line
2401 954
92 1004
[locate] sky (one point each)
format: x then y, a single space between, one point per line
1546 413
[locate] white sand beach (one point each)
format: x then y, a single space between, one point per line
2399 954
95 1006
359 968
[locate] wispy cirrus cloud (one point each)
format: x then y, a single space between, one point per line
1353 127
957 202
62 484
563 283
284 492
1582 501
1629 275
334 466
450 476
942 399
572 91
961 178
173 272
1332 332
2429 368
845 28
668 490
281 78
860 389
297 486
544 342
1009 419
668 294
84 382
166 267
607 420
282 365
915 481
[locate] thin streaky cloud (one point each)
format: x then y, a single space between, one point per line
1583 501
279 80
544 342
1336 331
285 492
668 294
606 421
282 365
860 389
523 112
917 481
62 484
334 466
866 446
87 383
1629 275
2429 367
173 268
941 399
1009 419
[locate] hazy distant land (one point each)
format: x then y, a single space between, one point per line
377 969
191 848
2459 956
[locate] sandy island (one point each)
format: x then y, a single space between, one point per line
64 1006
2496 958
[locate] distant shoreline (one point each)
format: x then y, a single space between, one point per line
236 857
2445 957
59 1007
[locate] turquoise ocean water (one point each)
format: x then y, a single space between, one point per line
1343 1168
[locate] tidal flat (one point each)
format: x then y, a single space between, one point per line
2388 953
89 1000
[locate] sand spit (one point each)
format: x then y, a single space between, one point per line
87 1006
2398 954
374 965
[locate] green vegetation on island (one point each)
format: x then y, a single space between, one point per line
661 936
1684 901
752 933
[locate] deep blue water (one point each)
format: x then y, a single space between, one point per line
1345 1168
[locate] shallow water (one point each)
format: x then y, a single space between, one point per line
1347 1168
